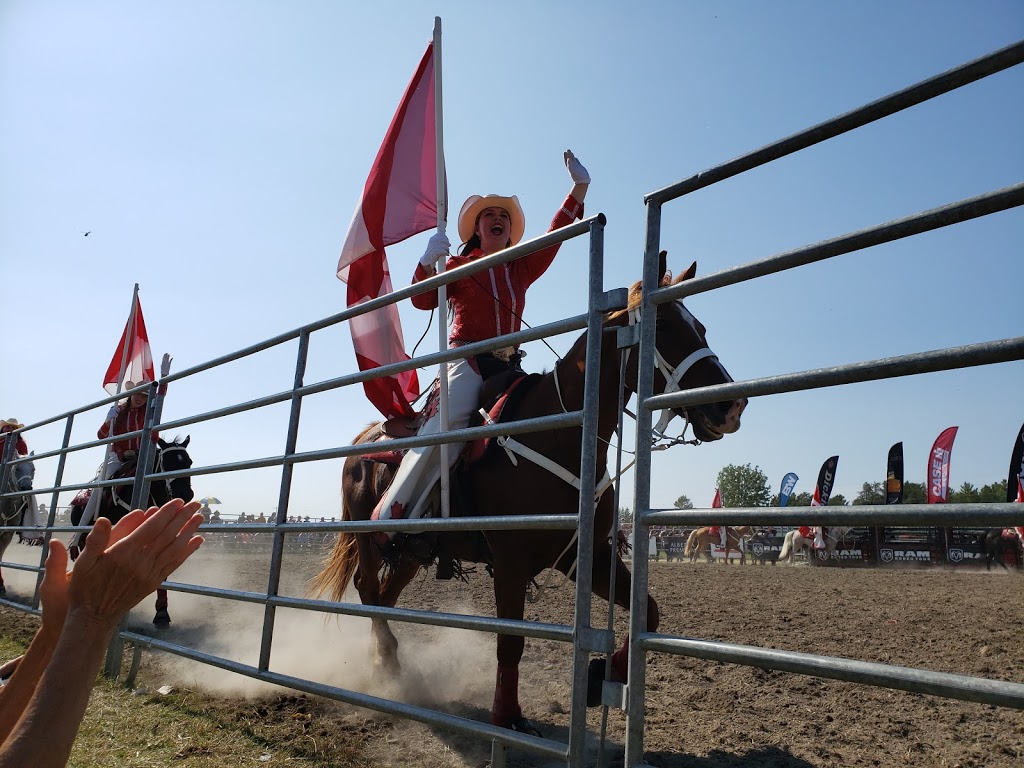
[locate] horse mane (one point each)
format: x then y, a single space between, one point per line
636 292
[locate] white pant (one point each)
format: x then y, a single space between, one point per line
92 507
421 467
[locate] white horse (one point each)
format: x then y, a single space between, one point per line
15 509
795 542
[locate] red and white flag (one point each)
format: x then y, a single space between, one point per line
938 466
1020 489
132 359
398 201
716 503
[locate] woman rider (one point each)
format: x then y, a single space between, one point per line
9 425
125 416
485 305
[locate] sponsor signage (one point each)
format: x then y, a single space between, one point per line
766 548
896 554
858 553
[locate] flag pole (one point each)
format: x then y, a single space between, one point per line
442 293
129 343
131 337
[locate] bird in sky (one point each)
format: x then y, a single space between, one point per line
87 233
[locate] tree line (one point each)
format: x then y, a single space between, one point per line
747 486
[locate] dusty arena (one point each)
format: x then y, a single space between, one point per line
707 715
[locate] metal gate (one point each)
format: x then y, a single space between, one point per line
989 515
584 638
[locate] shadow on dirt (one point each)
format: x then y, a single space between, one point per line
477 753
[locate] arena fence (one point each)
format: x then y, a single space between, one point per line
585 638
632 697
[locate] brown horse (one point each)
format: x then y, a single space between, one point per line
494 486
701 539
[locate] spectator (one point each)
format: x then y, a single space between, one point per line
42 706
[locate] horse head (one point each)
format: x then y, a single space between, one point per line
24 474
685 361
173 457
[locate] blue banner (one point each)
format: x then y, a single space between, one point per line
788 484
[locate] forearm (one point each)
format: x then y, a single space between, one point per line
15 696
44 736
579 191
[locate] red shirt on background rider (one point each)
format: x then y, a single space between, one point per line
130 417
9 425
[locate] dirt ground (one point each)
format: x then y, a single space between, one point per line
699 714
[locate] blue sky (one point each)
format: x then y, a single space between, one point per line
216 152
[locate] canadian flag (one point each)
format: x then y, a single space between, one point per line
399 200
132 360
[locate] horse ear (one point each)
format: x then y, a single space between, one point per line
187 438
688 274
161 442
662 266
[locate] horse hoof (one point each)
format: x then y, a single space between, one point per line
522 725
595 681
162 618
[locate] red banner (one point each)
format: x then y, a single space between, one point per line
938 467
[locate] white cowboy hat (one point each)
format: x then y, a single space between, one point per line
475 204
133 384
12 423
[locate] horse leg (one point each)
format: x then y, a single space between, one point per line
372 592
162 618
5 540
510 579
623 589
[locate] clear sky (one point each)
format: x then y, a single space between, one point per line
215 152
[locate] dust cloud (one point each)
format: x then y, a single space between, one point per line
438 664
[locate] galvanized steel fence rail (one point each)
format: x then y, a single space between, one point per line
585 639
642 641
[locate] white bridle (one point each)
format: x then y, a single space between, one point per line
674 374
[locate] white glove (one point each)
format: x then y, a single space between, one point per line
576 170
437 248
112 413
165 365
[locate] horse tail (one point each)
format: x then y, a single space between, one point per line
691 543
786 543
343 560
339 566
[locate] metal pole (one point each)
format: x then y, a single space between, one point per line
277 553
635 706
442 291
588 481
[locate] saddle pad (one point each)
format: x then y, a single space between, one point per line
516 389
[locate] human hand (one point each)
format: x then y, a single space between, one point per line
165 365
577 172
53 590
112 413
437 248
122 564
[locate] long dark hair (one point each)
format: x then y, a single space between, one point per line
470 245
